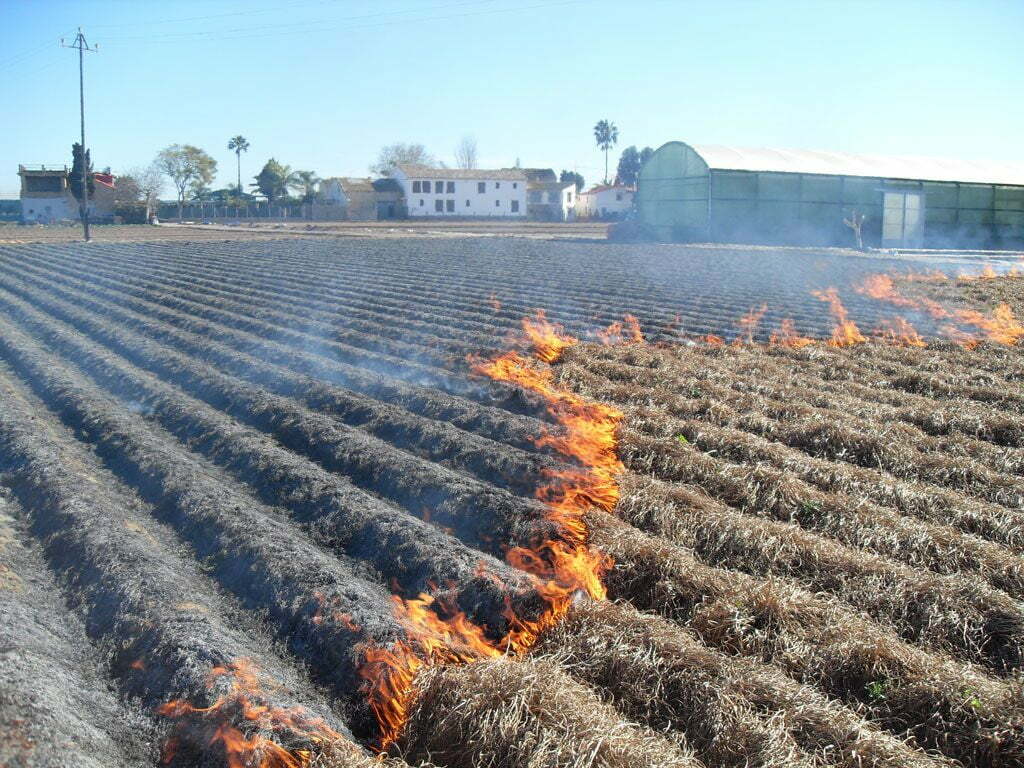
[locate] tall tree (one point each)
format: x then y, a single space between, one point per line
189 168
274 179
576 178
400 154
75 177
305 182
606 134
629 166
238 145
465 153
645 155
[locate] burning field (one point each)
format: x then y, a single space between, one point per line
299 504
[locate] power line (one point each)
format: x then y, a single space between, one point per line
82 47
320 26
247 12
30 53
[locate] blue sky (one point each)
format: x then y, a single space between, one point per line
323 84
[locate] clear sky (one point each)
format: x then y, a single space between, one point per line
323 84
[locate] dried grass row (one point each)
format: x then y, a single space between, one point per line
856 522
951 614
776 371
528 713
741 437
794 415
733 711
942 704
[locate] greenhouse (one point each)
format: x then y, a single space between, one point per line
797 197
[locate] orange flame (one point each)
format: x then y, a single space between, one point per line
845 333
987 273
898 330
338 617
786 335
1000 327
548 339
437 632
935 276
713 341
622 332
883 288
748 324
242 702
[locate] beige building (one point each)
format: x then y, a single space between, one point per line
46 195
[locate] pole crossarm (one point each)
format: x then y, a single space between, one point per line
82 46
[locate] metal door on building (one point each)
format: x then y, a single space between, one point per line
903 220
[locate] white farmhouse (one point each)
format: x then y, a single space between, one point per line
459 192
552 200
605 201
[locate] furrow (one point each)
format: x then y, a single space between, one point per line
339 517
162 625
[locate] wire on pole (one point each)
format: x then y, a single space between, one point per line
82 46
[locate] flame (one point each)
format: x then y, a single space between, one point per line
213 725
987 273
935 276
1000 327
748 324
713 341
845 333
786 335
883 288
437 631
622 332
548 339
338 617
898 330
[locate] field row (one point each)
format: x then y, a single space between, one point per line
234 465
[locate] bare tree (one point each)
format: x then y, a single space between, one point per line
147 184
465 153
856 223
400 154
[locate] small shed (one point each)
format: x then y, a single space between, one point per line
716 193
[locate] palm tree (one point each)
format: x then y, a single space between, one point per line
238 145
304 181
607 135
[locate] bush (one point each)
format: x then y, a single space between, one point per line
131 213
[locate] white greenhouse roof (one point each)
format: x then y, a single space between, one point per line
844 164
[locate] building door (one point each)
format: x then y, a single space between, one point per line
903 220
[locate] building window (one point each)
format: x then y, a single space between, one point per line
515 206
449 205
421 202
416 186
481 187
439 205
451 188
551 197
497 185
534 195
467 203
497 203
618 196
569 197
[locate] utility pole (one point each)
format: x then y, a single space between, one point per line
82 46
